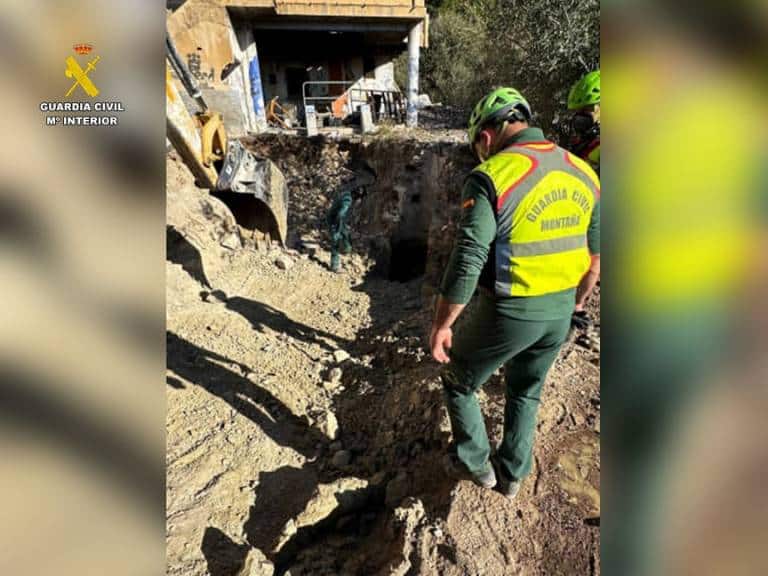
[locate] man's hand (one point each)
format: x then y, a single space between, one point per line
440 341
441 335
588 283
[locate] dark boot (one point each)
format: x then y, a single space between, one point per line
456 469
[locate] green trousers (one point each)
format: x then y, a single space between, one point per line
338 228
527 350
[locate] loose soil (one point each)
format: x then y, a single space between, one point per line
305 423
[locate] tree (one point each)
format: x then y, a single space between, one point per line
540 47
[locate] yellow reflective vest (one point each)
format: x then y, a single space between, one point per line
544 197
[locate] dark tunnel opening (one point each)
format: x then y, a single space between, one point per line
408 259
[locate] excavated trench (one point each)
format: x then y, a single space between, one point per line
403 222
386 507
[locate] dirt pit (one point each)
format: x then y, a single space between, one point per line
305 417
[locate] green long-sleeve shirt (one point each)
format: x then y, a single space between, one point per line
337 215
474 238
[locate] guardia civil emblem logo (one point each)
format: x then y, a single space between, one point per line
80 75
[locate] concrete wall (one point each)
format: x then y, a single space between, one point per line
210 44
202 31
401 9
385 74
207 42
275 84
277 71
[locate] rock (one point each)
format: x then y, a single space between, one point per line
329 425
283 262
415 399
256 564
231 241
290 528
397 489
344 523
336 446
378 478
335 375
403 529
423 101
330 386
340 356
445 423
344 496
341 458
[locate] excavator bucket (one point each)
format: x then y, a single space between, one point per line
245 174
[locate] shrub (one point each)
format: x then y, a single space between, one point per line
540 47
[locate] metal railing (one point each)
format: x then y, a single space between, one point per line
327 99
384 103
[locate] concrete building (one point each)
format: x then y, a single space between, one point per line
245 52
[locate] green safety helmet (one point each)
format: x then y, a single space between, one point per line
585 92
501 104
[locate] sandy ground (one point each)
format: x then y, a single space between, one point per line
305 428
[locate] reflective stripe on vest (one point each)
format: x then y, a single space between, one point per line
544 202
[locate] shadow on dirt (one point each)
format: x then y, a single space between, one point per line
388 412
389 422
180 251
389 417
223 556
203 368
281 495
262 315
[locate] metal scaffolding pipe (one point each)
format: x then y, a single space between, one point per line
183 73
414 40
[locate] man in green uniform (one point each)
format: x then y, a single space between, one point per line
338 228
528 224
584 102
338 214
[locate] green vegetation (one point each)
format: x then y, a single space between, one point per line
541 47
